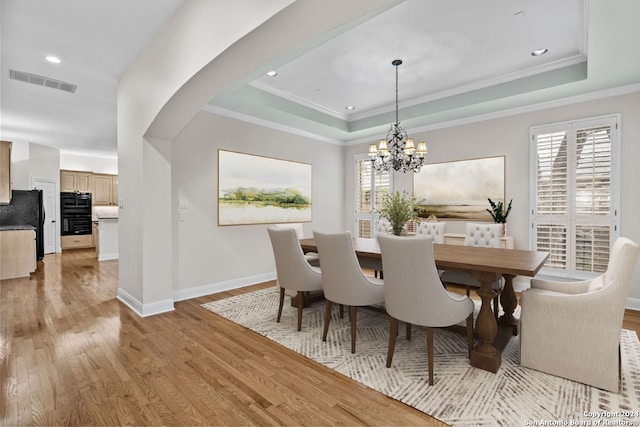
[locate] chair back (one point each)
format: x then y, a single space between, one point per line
342 278
413 291
295 225
382 226
617 279
485 235
293 271
435 230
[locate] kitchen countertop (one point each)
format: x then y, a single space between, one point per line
17 227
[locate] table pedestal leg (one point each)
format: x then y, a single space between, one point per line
485 355
509 303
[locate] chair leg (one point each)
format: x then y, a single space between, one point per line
280 305
352 316
341 311
470 333
430 353
393 334
327 319
300 303
408 331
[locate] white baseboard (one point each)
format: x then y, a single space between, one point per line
106 257
212 288
144 310
633 304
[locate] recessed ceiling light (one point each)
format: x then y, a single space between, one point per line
539 52
350 107
272 73
53 59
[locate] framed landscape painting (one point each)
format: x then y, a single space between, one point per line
460 189
262 190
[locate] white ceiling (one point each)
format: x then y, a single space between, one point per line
96 41
447 46
456 53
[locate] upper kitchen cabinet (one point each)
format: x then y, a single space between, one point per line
105 190
5 172
79 181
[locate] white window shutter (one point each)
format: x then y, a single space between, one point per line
574 205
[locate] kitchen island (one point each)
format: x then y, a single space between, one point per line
17 251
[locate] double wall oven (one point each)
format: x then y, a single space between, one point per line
75 210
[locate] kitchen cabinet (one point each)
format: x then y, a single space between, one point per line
78 181
77 241
5 172
105 189
17 251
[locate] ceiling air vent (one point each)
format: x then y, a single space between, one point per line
42 81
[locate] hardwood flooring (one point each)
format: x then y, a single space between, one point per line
71 354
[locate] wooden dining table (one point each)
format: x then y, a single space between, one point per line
486 265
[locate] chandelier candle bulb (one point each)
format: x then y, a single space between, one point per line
422 148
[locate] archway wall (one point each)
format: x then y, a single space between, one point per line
201 51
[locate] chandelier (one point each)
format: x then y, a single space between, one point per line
397 151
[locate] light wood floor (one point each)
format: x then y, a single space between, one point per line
71 354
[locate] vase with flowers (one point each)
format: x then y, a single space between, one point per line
398 209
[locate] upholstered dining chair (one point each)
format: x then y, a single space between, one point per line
311 257
435 230
486 235
343 281
572 329
292 269
382 226
414 294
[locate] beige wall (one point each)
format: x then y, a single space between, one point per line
509 136
210 258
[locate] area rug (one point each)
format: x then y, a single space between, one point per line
461 395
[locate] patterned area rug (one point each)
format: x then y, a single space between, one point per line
461 395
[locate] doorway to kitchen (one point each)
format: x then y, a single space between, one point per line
48 188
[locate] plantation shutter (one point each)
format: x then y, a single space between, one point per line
574 214
370 190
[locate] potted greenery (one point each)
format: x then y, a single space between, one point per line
499 214
398 209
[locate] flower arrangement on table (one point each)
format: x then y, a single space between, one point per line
398 209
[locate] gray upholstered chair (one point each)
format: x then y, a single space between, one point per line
311 257
343 281
486 235
435 230
293 271
414 294
382 226
572 329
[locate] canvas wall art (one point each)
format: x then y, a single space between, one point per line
262 190
460 189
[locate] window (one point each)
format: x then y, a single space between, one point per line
574 202
370 190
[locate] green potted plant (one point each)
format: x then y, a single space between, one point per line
398 209
499 214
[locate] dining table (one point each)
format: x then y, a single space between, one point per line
487 265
